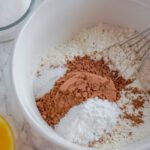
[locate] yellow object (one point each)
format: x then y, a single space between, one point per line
6 136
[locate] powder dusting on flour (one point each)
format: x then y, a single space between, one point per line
88 121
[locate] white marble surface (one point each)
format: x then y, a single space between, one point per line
8 100
8 107
24 135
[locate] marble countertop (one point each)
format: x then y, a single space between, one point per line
25 137
8 101
8 109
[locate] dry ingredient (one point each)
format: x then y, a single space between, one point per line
11 11
85 78
137 119
137 105
88 121
131 96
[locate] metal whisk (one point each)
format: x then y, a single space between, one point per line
138 44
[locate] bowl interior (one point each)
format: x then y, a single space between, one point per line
54 22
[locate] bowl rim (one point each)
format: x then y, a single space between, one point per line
63 143
20 19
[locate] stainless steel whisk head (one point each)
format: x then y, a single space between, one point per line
140 44
133 51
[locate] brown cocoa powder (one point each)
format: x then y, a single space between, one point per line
138 103
136 119
85 78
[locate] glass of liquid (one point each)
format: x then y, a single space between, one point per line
6 135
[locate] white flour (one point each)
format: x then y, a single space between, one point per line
46 79
88 121
86 41
98 38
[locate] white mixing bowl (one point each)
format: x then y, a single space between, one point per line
54 22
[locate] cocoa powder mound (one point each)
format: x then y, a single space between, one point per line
85 78
99 67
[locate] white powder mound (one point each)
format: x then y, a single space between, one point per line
88 121
45 80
